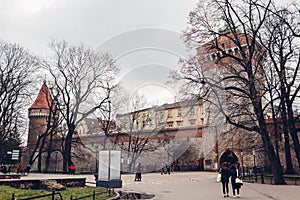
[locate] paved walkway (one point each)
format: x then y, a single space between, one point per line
192 186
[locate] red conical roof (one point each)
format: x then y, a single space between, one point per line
43 100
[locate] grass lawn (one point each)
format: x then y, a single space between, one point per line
6 193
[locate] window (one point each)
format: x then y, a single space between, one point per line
169 113
137 125
179 124
161 115
193 122
170 124
236 51
208 58
179 112
192 111
161 125
202 121
213 56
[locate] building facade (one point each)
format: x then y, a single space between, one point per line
189 135
166 134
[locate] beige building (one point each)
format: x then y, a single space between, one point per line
176 116
172 134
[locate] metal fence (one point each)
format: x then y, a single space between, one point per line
88 196
54 193
269 179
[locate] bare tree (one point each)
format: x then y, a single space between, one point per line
137 126
84 81
281 40
16 68
272 106
236 52
106 117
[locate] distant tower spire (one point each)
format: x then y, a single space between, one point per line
38 113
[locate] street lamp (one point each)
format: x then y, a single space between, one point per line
242 155
97 152
253 153
217 147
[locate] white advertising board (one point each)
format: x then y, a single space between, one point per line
103 172
115 164
109 165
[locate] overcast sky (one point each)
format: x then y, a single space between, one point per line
143 35
32 23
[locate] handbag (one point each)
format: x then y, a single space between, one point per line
238 181
219 178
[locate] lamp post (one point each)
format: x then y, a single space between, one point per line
96 160
242 155
217 147
253 153
122 162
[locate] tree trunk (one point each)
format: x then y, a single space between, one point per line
293 132
68 148
40 157
275 163
67 153
49 152
275 126
65 164
287 149
273 159
32 156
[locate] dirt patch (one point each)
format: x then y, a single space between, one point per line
134 195
52 184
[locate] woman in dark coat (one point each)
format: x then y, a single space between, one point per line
225 174
234 172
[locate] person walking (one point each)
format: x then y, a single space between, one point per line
162 168
72 169
22 168
168 169
17 168
27 169
9 169
138 173
235 173
225 175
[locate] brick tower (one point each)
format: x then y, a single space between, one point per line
38 114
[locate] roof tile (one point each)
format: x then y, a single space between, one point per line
43 98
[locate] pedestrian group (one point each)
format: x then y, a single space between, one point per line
231 172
